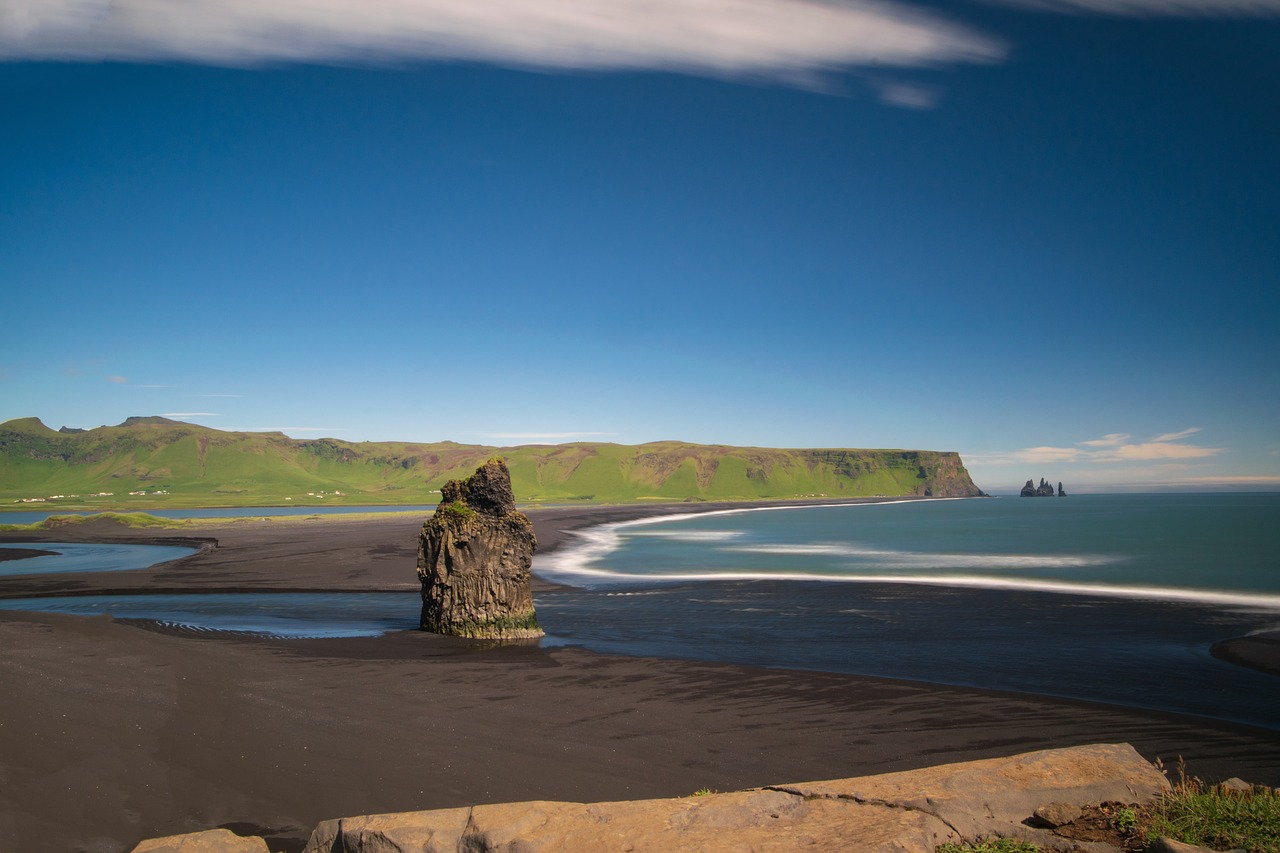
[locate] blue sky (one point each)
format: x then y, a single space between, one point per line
1044 234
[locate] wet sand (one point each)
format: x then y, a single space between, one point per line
111 731
8 554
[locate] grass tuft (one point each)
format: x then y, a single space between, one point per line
1216 817
124 519
456 511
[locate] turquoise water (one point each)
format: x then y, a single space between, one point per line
1115 599
89 557
1214 548
288 615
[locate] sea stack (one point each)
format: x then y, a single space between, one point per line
474 559
1044 490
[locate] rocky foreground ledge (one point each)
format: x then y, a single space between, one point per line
907 812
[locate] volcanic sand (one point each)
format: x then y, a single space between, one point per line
112 731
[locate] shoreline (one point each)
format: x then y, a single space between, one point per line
8 555
283 536
555 527
1256 651
120 731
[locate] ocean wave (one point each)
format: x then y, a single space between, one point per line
929 560
1248 600
688 535
595 543
586 563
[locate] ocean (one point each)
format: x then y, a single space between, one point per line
1208 548
1107 598
1111 598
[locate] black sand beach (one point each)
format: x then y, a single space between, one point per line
111 732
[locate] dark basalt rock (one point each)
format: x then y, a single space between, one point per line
474 559
1044 490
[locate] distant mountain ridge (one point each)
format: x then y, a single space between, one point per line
199 466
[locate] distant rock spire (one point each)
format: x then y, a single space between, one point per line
1044 490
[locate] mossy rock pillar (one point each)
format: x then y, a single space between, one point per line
474 559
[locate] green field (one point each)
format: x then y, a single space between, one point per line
166 463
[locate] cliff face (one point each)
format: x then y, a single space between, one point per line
944 476
474 559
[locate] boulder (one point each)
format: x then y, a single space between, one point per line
907 812
474 560
760 820
1164 844
1056 814
209 841
996 796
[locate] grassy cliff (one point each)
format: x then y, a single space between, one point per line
183 465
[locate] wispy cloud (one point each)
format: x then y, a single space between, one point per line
1231 480
907 95
1153 450
1151 8
1113 447
118 380
545 436
778 39
1114 439
1177 436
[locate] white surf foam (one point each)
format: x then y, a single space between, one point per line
931 560
1252 601
689 535
595 543
580 563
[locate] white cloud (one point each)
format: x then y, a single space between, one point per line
1048 454
908 95
1153 450
1231 480
781 39
1113 447
1149 8
1112 439
1177 436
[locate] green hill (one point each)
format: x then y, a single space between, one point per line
183 465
